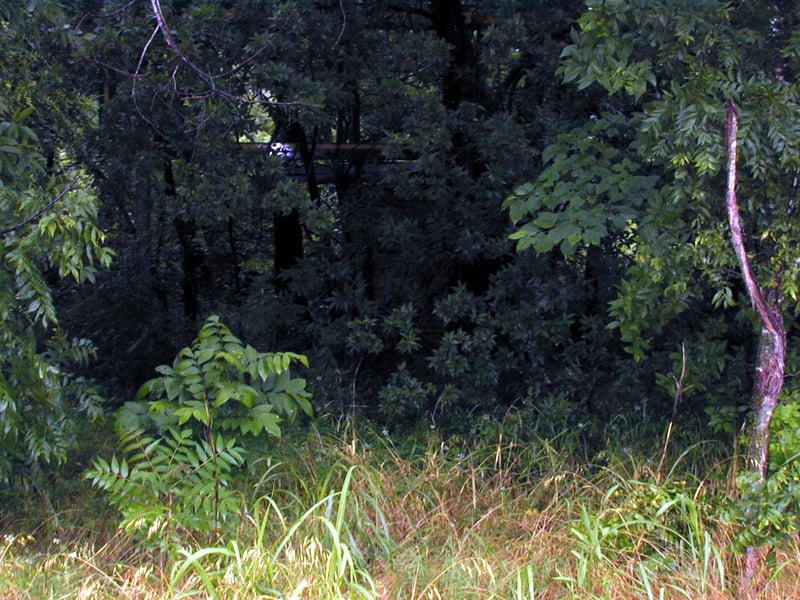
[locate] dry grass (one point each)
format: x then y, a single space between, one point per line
505 521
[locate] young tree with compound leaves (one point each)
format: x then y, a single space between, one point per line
707 94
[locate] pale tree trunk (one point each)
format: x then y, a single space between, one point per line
771 360
769 373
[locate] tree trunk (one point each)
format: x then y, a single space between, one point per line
462 78
287 228
771 361
769 382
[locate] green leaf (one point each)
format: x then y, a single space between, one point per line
546 220
296 386
263 418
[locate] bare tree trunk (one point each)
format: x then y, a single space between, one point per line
771 360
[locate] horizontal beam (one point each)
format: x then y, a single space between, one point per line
330 151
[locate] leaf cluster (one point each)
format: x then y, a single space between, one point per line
219 382
767 512
590 188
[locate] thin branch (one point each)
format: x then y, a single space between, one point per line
167 34
412 11
136 76
38 214
138 71
679 389
114 13
344 25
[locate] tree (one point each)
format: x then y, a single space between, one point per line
48 214
394 269
676 64
180 454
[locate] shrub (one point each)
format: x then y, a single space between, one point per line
190 429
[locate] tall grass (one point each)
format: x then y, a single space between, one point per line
327 518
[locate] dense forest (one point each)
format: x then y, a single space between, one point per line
264 259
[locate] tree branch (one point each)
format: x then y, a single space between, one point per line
37 215
167 34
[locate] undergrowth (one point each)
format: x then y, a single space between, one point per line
360 515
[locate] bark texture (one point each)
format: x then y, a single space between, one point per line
771 360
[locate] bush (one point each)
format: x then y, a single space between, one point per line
192 428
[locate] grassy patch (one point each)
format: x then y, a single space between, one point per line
341 517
